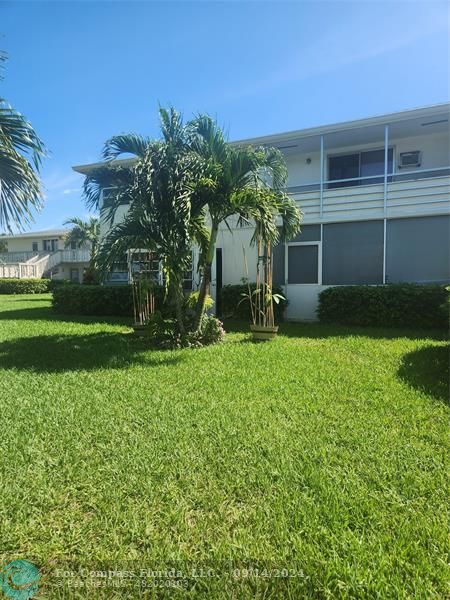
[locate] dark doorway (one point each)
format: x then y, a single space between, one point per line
218 281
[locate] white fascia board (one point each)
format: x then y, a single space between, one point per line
417 113
86 169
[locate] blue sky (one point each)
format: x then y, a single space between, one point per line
83 71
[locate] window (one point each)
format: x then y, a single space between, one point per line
50 245
74 275
34 247
417 249
73 245
353 253
358 164
109 196
303 263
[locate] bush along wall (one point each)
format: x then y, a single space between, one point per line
24 286
234 305
98 300
394 305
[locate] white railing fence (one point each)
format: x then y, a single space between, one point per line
37 264
371 196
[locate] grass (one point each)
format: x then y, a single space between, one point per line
322 452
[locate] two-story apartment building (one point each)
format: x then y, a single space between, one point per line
375 195
36 254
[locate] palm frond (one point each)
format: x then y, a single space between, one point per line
130 143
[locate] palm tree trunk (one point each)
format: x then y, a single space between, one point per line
179 314
206 278
176 285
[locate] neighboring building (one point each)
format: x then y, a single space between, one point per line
375 194
43 254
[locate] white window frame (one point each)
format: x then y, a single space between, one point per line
319 260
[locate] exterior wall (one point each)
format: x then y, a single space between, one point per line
25 244
350 252
62 271
435 154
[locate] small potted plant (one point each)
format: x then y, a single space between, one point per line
262 298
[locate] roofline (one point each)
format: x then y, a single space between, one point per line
85 169
395 117
29 234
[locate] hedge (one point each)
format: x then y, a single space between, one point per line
387 305
24 286
98 300
233 304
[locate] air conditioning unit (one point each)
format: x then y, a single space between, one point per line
408 160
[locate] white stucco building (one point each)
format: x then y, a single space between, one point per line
37 254
375 195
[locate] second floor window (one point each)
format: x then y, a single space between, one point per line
356 165
50 245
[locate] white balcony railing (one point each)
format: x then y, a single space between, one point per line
421 191
17 257
37 265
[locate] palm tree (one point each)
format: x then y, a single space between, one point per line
179 191
21 152
83 232
243 181
157 185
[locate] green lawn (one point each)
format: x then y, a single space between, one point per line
323 453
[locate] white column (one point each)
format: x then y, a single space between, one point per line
321 176
386 165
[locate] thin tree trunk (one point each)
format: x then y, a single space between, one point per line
179 314
206 278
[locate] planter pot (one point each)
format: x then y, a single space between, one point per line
139 330
263 333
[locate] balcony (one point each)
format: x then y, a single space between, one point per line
422 191
34 265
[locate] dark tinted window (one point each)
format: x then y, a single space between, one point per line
343 167
303 266
418 250
308 233
352 253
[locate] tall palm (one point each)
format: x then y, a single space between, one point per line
21 152
244 181
160 217
83 232
157 185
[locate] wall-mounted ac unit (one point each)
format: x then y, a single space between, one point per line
409 160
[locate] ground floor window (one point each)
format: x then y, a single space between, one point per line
74 275
418 249
303 263
353 253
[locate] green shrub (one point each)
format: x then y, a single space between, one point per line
235 305
24 286
59 282
394 305
100 300
165 333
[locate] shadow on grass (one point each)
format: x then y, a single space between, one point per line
427 369
57 353
327 330
46 313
